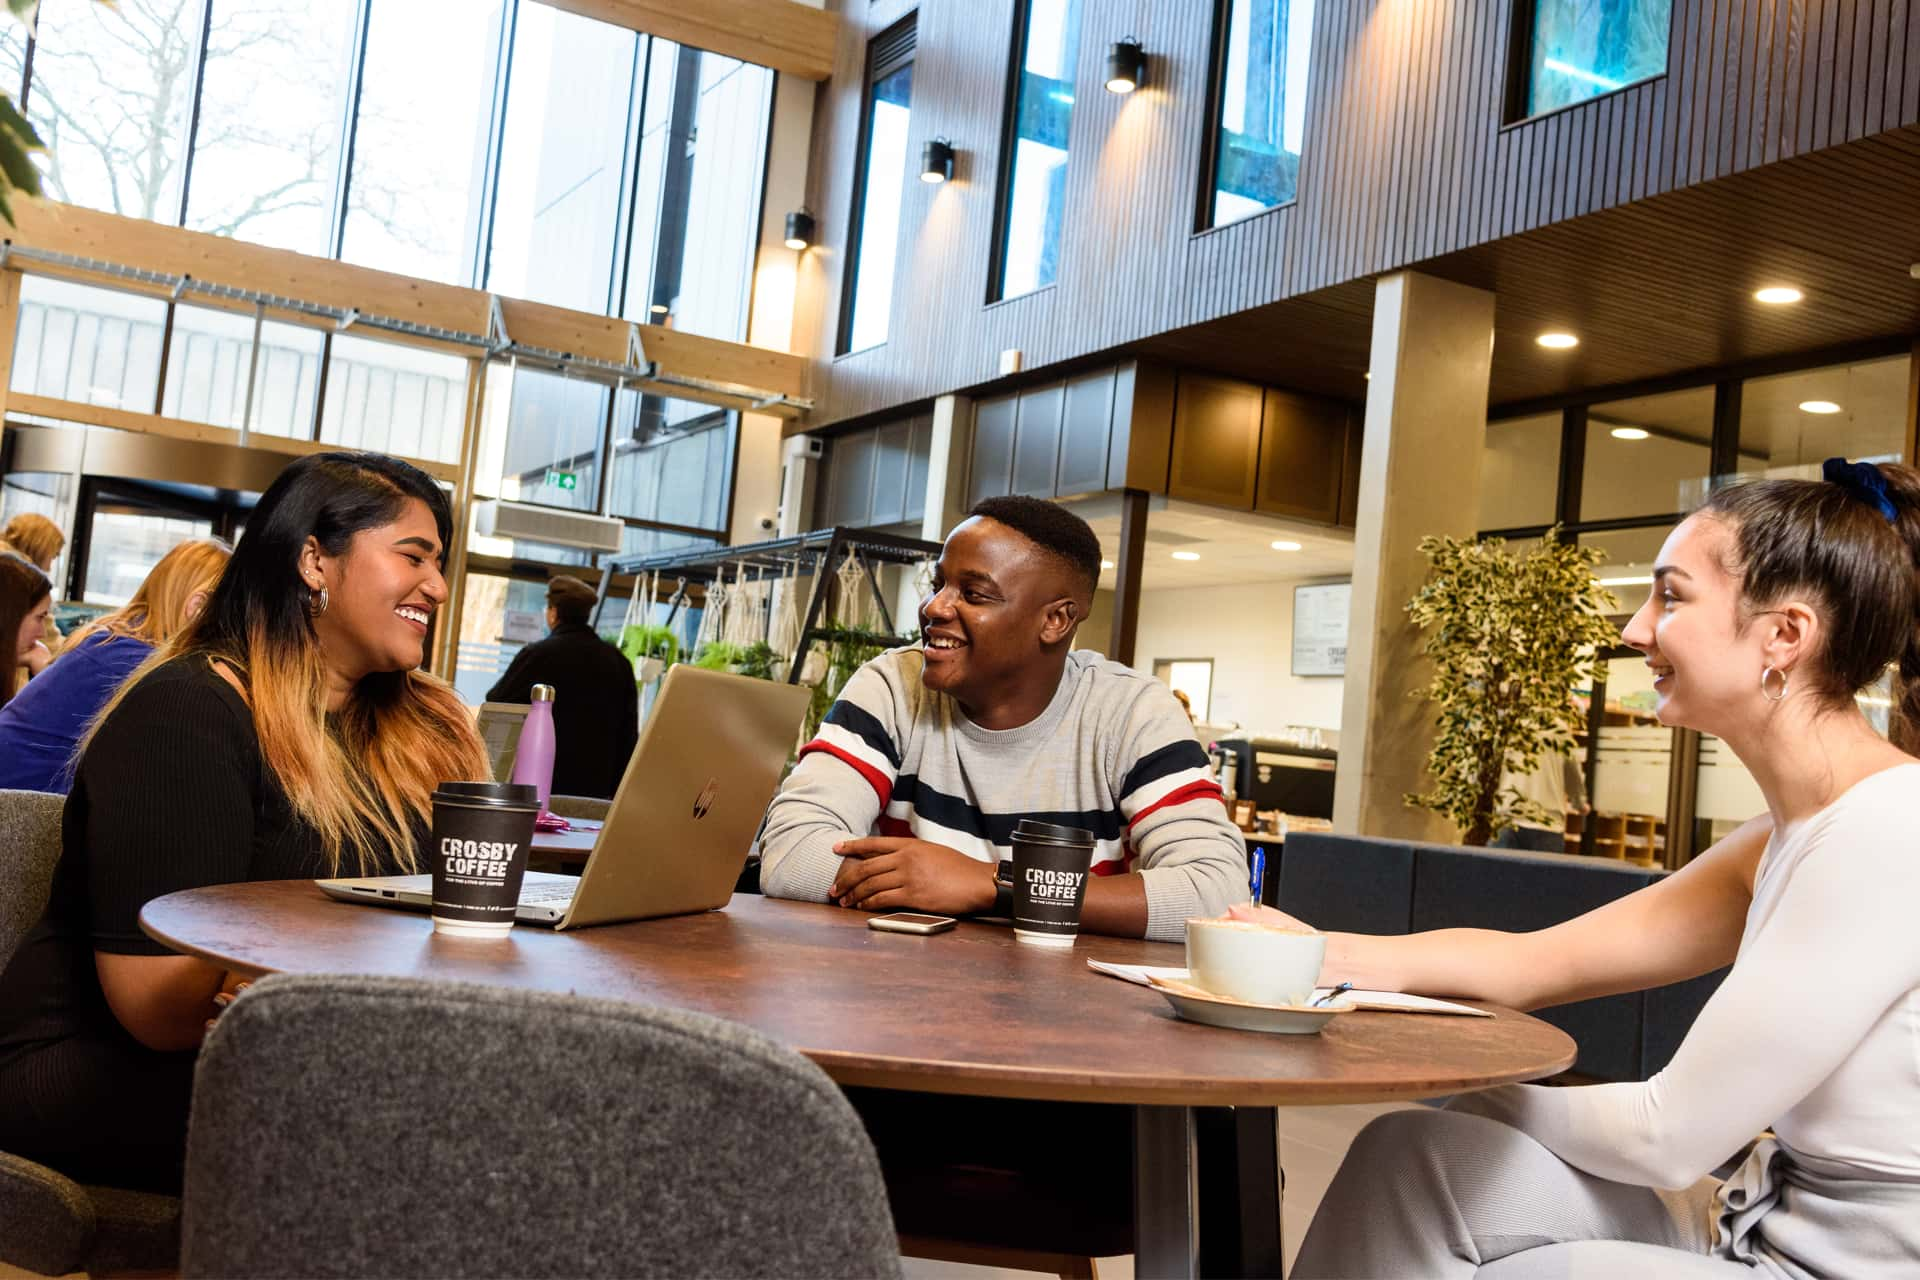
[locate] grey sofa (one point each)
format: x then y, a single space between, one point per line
1366 884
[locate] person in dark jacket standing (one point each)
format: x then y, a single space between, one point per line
596 706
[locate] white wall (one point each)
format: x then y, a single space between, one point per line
1248 632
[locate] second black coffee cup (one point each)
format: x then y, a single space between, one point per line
481 834
1050 868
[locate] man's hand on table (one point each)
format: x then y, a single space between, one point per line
894 873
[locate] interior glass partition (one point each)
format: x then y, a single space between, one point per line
92 346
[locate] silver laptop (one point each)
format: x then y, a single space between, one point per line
680 826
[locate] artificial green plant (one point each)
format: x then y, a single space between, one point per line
1511 635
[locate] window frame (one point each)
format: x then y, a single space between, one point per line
1519 77
877 69
1009 145
1207 194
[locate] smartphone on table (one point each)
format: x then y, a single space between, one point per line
910 922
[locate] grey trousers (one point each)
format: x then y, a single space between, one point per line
1453 1194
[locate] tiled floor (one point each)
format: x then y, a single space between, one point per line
1313 1141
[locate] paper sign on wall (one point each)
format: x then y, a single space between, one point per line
1320 629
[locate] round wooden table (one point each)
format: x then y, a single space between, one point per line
969 1011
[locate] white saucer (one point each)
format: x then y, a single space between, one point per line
1196 1005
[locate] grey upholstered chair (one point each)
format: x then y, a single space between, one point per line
48 1222
377 1126
585 808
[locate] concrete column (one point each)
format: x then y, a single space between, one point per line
1426 425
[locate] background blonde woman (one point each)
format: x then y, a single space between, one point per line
37 540
40 728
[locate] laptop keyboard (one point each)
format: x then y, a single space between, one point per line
546 895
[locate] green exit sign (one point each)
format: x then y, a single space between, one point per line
562 480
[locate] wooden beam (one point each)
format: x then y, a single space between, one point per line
174 251
790 37
99 415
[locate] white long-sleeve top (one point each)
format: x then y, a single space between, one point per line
1815 1032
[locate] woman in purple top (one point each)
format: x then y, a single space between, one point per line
43 723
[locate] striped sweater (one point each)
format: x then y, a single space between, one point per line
1113 753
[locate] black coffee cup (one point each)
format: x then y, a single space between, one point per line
1050 869
481 834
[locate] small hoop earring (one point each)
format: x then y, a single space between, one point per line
1773 697
317 601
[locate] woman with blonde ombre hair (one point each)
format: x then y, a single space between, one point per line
287 733
40 728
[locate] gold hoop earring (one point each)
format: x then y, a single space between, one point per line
1773 697
317 601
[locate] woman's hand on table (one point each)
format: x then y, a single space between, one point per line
1254 913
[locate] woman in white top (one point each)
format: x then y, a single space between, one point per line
1771 607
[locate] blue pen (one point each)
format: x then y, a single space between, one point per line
1257 867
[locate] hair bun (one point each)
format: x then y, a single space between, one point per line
1864 481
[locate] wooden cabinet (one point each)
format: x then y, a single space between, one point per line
849 491
1086 423
1216 441
1303 448
1036 440
890 457
919 452
991 472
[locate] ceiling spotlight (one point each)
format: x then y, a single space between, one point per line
1367 376
1186 555
1106 564
799 230
1284 545
1628 433
1777 295
1819 406
1557 341
1126 66
936 160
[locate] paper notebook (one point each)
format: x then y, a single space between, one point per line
1378 1001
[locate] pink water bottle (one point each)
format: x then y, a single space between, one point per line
533 758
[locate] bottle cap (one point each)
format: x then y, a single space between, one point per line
542 693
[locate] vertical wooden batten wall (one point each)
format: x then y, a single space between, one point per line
1406 158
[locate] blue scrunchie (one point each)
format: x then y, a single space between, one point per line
1864 481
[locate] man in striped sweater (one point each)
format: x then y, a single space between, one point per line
907 798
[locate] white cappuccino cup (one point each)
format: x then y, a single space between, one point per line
1254 963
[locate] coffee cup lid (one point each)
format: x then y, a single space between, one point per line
1050 833
504 795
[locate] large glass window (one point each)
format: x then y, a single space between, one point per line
420 143
879 192
394 398
1520 472
672 461
266 150
554 219
1648 456
1790 423
1034 192
1580 49
94 346
554 428
125 543
696 191
111 97
1262 107
210 361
